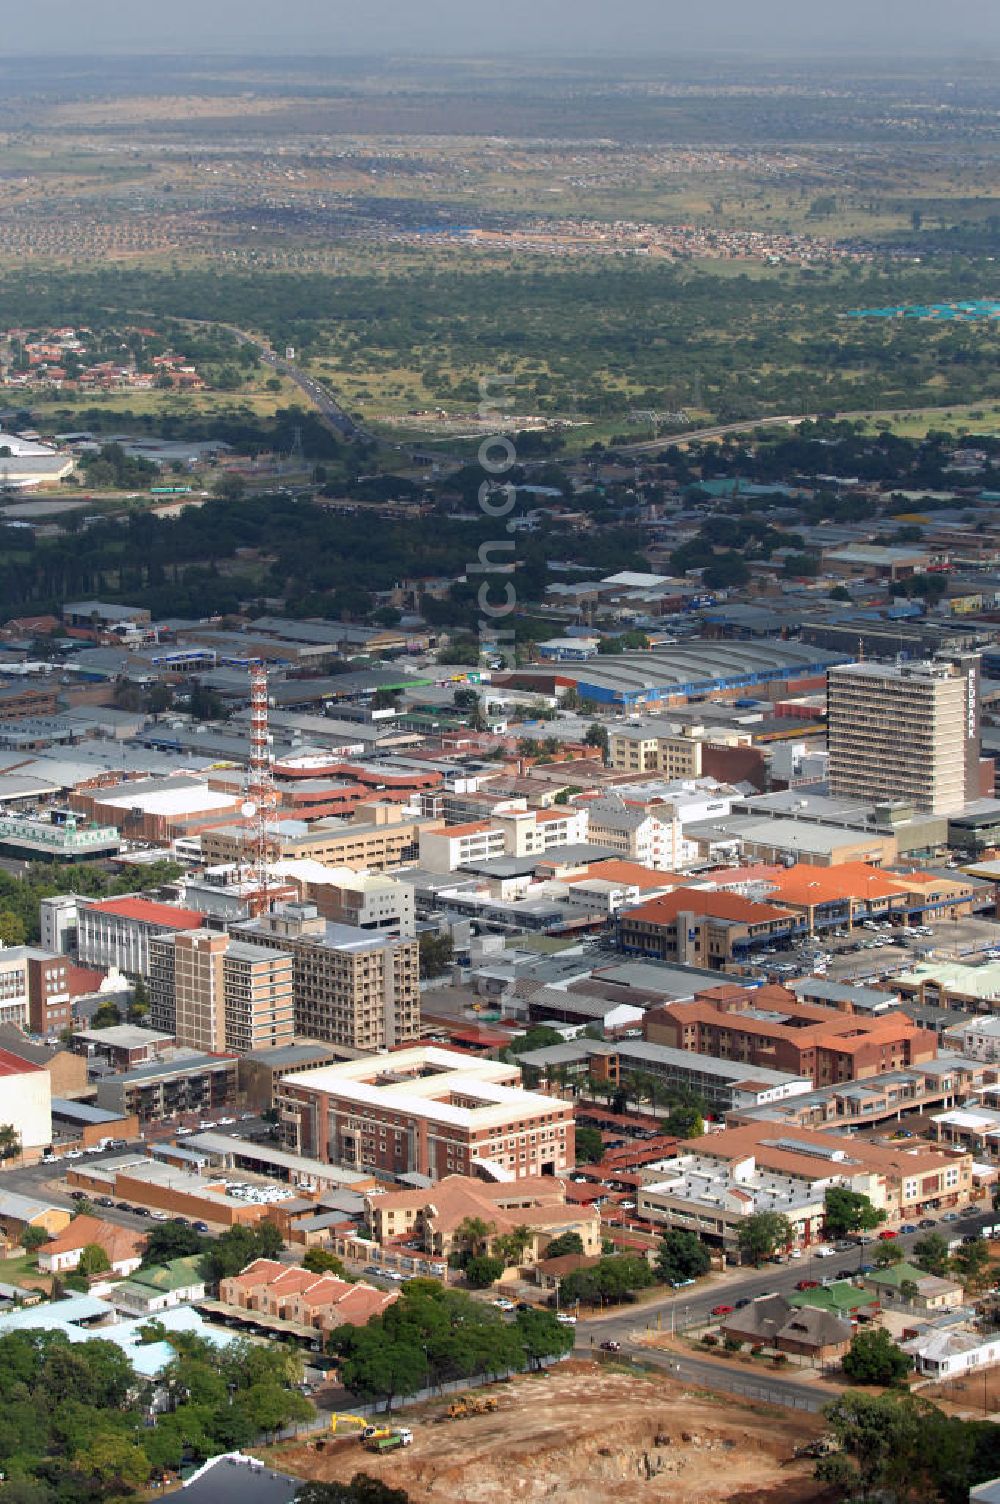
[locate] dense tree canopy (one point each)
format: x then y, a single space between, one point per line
432 1335
73 1416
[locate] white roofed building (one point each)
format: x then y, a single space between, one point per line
428 1111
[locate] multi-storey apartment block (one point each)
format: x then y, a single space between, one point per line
351 987
214 993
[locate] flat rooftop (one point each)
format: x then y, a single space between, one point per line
394 1083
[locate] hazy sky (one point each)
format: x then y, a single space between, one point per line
635 27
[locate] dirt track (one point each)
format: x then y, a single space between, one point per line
584 1434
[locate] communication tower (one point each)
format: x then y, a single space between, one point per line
260 805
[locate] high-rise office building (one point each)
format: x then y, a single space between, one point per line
352 987
215 993
905 733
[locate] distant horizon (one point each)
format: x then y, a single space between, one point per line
264 51
454 28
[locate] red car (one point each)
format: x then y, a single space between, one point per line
722 1310
807 1284
885 1236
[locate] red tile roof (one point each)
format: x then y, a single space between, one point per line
710 904
13 1065
166 914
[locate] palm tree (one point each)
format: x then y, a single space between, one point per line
511 1247
473 1234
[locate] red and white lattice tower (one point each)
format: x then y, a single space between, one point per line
260 808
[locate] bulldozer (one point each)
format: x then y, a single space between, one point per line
471 1404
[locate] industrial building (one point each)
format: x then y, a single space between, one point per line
672 675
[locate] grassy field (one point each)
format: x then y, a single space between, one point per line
978 418
256 399
23 1271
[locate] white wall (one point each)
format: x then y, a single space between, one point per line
26 1103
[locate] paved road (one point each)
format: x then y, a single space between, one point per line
790 1393
693 1308
320 396
720 430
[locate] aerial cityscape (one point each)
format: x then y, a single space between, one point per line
499 724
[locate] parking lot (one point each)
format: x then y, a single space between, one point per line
875 951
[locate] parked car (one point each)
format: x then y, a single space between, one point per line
722 1310
611 1346
744 1300
807 1284
824 1251
503 1304
926 1222
866 1269
908 1227
201 1227
104 1201
845 1273
564 1319
886 1234
122 1206
950 1217
142 1211
679 1284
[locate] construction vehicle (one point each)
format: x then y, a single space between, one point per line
388 1441
471 1404
337 1421
820 1446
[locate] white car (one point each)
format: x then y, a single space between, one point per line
226 1122
503 1304
825 1252
73 1154
565 1320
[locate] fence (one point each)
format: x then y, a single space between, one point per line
321 1421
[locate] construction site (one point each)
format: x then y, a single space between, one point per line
580 1432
